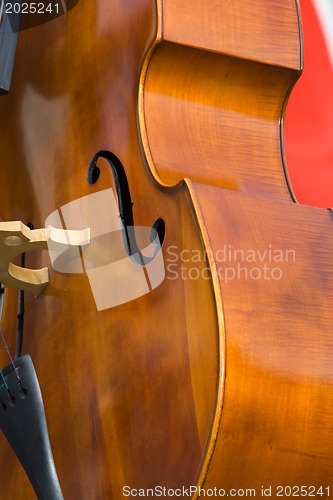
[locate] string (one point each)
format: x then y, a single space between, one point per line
2 292
9 355
4 381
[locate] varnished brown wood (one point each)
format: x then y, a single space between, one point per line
221 110
221 115
200 382
126 390
271 265
227 106
262 31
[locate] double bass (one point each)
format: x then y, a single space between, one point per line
193 359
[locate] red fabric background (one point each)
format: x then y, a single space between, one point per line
309 119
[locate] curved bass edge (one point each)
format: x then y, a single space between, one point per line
216 419
210 157
284 107
275 428
300 35
283 154
268 382
152 399
301 58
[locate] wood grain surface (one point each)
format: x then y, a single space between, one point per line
203 381
126 390
271 265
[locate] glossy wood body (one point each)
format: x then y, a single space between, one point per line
223 109
261 31
126 390
199 382
271 265
272 425
221 115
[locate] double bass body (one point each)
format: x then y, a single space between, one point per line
203 381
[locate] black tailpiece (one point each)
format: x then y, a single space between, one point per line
23 422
